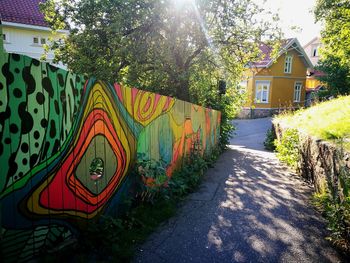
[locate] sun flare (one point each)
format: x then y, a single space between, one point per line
183 3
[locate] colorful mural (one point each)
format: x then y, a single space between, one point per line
68 144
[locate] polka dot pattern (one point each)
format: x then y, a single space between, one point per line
39 103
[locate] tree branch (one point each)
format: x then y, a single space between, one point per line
191 57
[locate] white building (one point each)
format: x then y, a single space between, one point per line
24 30
312 50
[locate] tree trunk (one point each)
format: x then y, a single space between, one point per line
182 90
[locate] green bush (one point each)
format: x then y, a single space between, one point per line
337 214
334 203
269 142
115 238
288 148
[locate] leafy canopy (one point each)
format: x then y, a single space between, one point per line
165 46
175 48
335 15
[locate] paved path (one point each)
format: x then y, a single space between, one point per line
250 208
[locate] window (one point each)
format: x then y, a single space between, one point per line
297 91
242 87
36 40
39 41
262 91
5 38
288 64
314 51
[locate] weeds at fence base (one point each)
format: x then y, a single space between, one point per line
113 239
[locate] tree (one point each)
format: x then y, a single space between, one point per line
179 48
158 45
337 76
335 15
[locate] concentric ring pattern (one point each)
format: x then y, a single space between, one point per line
68 144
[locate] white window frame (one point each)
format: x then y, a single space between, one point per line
288 64
40 39
36 44
7 37
265 89
242 87
298 86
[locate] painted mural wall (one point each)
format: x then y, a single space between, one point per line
55 126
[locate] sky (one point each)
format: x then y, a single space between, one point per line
296 13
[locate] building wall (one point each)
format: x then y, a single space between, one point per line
20 41
312 83
283 95
315 43
56 127
281 84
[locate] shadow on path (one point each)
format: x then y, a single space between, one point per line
250 208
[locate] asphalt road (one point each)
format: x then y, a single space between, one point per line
250 208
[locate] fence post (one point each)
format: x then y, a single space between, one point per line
2 57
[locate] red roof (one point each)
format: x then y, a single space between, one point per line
22 11
266 51
317 73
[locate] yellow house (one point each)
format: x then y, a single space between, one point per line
275 85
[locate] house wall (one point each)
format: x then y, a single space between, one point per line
282 96
298 66
55 125
312 83
281 85
20 41
309 50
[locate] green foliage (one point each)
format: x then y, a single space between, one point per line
337 215
205 92
327 120
229 106
288 148
335 15
115 239
188 177
182 181
335 53
112 239
158 45
337 77
174 49
269 142
334 203
96 167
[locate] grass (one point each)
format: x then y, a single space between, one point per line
328 121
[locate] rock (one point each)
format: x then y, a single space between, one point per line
320 162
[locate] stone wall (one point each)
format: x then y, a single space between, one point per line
320 162
249 113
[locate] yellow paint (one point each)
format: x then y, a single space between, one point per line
281 91
98 98
312 83
145 106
